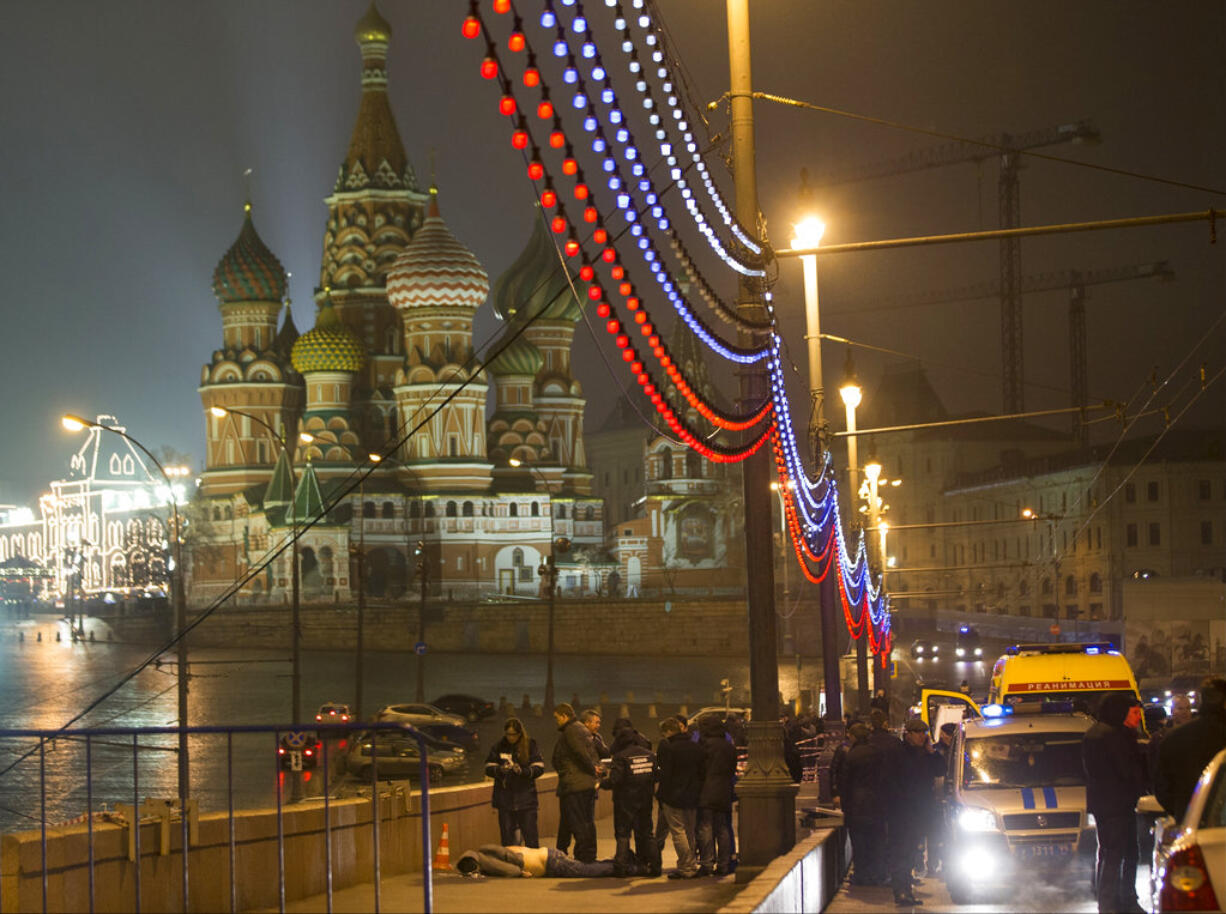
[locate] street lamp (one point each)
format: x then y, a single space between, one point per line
548 572
851 394
75 424
808 235
221 412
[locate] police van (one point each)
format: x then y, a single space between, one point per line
1016 800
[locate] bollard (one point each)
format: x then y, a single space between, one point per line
91 637
651 711
40 636
58 635
684 711
624 712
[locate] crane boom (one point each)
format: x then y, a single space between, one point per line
1008 147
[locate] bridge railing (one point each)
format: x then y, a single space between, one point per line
108 769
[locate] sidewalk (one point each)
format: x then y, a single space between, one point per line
455 893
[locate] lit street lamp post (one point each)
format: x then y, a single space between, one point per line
76 424
548 572
852 394
221 412
808 235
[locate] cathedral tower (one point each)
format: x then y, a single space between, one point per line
328 356
252 371
373 210
437 285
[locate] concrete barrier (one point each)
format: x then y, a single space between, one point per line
804 879
466 810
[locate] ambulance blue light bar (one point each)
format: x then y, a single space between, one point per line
992 711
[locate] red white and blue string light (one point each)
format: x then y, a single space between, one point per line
811 505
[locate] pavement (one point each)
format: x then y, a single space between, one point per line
453 892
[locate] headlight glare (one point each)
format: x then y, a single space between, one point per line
976 818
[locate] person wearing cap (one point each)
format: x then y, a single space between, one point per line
1115 779
911 805
578 773
860 779
632 778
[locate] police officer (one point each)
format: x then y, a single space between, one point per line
632 776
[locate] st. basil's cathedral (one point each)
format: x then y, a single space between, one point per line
389 370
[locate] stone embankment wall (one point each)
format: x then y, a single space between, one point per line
711 627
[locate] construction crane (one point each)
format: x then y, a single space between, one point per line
1008 148
1075 281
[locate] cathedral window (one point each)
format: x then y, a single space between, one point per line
453 445
514 509
536 510
368 509
589 513
467 509
429 508
389 510
562 511
451 509
414 509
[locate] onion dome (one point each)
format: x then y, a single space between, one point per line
330 346
518 358
372 28
535 285
288 334
436 270
249 271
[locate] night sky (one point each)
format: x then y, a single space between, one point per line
127 128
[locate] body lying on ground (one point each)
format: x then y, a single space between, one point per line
518 861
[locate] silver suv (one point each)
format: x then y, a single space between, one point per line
1015 800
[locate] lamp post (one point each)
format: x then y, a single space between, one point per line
851 394
808 234
423 571
221 412
76 424
548 572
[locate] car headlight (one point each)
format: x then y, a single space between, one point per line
961 651
976 818
919 648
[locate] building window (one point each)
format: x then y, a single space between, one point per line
1130 492
589 513
1206 533
1151 491
467 510
1023 610
368 509
429 509
1155 534
1131 534
1096 611
414 509
535 510
1070 586
1023 589
1203 491
514 509
1096 583
562 511
389 510
1071 612
1046 588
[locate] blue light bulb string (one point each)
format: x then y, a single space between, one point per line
665 72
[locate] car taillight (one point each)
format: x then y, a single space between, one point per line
345 718
319 717
308 752
280 751
1185 882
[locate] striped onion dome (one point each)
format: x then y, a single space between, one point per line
249 271
436 270
535 285
372 27
519 358
329 346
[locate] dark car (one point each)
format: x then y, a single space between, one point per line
924 649
452 737
468 706
967 646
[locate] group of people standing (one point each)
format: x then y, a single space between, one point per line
689 774
886 787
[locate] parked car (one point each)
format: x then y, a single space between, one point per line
924 649
452 736
472 707
397 755
1190 871
417 714
333 712
310 746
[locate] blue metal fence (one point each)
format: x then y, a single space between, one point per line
32 746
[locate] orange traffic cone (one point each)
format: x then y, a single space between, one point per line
442 860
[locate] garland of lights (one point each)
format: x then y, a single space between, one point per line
522 139
810 505
592 123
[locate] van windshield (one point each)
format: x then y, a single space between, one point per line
1023 760
1086 701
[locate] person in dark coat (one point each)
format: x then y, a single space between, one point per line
880 703
715 801
863 802
909 800
681 776
515 763
1115 779
632 778
1188 748
578 774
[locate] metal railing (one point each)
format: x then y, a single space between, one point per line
138 740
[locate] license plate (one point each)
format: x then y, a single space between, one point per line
1044 850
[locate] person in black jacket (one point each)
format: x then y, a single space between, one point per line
578 774
681 776
862 800
515 763
715 800
1187 749
632 777
1115 779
